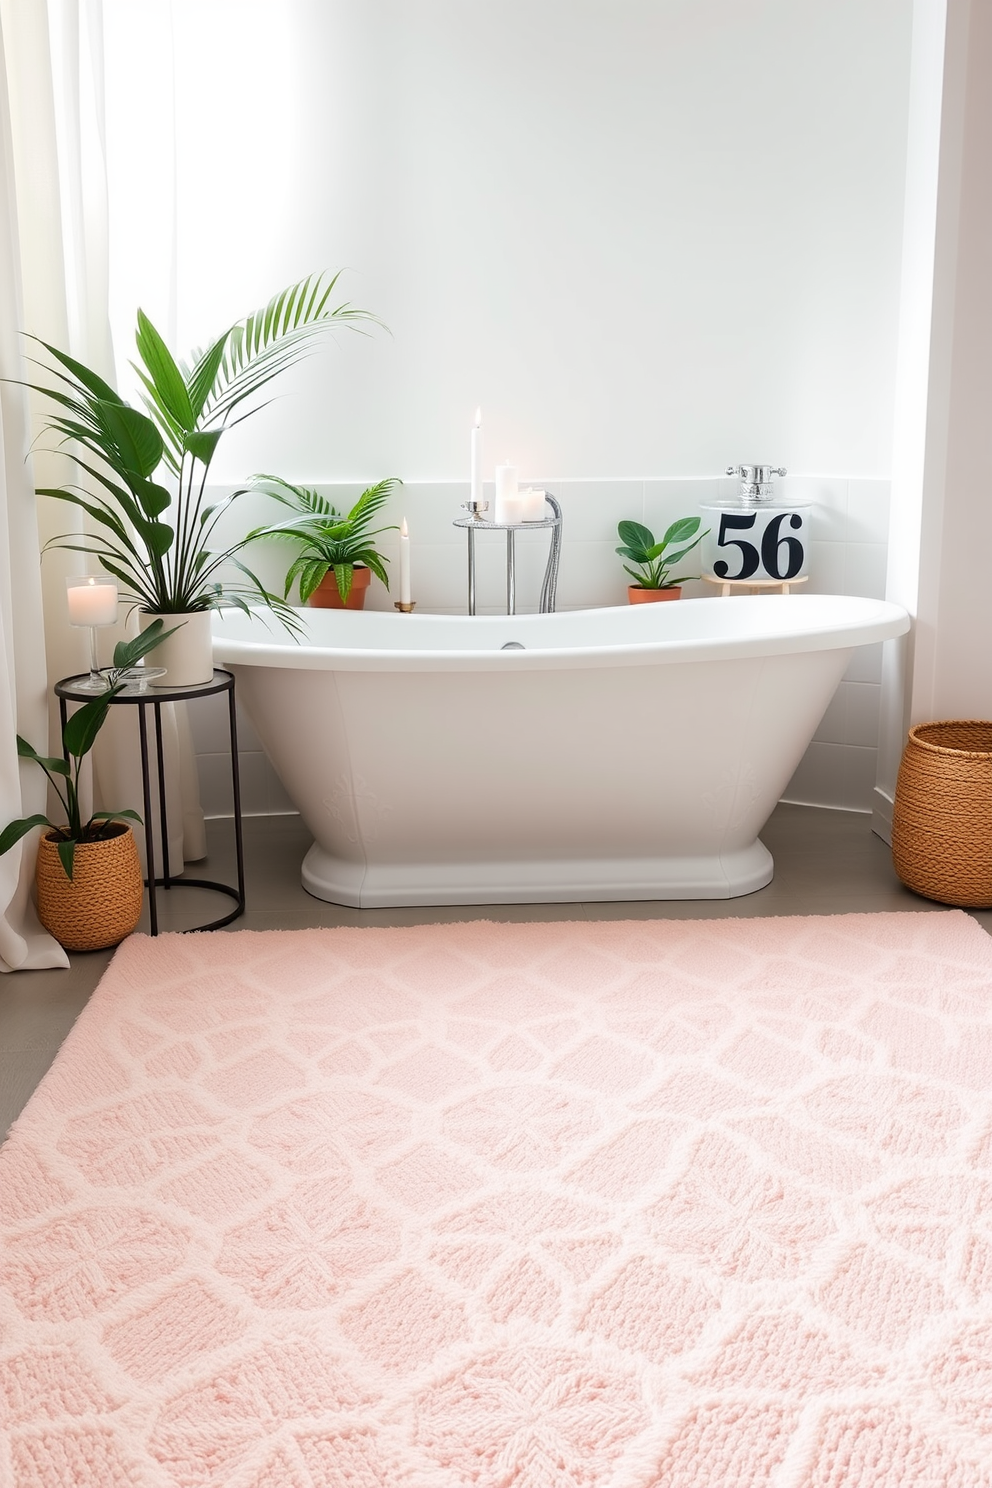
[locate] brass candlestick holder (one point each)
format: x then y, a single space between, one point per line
405 609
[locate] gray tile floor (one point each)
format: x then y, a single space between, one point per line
826 862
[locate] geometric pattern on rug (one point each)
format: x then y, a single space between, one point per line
600 1205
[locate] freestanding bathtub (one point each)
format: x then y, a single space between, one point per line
628 753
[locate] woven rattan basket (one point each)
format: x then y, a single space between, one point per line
102 902
942 818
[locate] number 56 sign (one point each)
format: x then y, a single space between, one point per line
756 542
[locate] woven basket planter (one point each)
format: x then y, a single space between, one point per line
101 904
942 817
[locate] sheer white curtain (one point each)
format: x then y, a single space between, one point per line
54 282
23 671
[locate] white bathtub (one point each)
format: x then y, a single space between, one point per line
628 753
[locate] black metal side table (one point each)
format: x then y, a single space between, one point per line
142 696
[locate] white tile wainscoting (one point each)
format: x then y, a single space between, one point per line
847 555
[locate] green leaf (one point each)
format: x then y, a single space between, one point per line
100 513
83 374
112 816
134 437
311 573
129 653
202 444
204 373
165 375
635 535
18 829
79 734
673 558
158 537
680 530
81 410
122 497
152 498
343 575
25 751
67 852
377 564
172 434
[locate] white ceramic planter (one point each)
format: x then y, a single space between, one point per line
188 655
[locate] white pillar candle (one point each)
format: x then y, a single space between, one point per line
512 510
534 508
92 600
506 492
404 563
477 457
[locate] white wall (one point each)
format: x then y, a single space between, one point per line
648 237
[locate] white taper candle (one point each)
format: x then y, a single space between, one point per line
476 492
404 563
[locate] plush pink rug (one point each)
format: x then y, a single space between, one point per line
697 1204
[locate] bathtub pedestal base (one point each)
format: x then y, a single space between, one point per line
391 885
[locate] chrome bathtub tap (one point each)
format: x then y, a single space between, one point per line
756 481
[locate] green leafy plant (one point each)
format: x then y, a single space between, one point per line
328 540
78 738
653 559
152 523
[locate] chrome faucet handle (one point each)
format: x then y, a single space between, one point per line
756 473
756 480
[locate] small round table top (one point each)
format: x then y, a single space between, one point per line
144 692
480 524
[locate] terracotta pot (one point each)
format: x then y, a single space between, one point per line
101 903
188 656
326 596
637 595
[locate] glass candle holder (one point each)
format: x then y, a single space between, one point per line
92 604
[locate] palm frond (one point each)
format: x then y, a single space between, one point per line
265 343
300 498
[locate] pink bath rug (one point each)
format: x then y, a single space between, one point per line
700 1204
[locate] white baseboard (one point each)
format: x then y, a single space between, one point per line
823 806
881 814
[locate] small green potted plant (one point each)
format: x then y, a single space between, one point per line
152 520
655 560
88 874
337 553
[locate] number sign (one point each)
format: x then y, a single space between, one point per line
756 542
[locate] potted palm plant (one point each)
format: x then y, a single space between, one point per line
655 560
337 554
153 525
88 876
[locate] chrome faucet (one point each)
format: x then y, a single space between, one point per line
756 481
